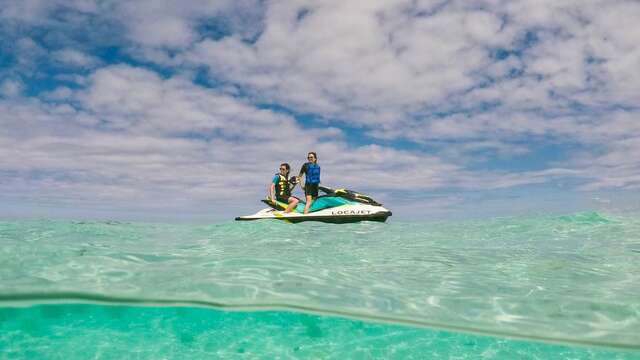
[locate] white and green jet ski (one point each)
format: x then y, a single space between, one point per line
336 206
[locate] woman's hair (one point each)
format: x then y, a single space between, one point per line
286 165
314 154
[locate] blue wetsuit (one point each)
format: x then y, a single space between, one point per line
311 173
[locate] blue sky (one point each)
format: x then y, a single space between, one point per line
436 108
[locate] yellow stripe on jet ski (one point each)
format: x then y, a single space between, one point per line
278 203
281 217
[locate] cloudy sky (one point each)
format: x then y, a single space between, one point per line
109 108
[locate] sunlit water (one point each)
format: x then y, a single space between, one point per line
525 287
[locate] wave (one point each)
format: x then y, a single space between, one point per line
586 218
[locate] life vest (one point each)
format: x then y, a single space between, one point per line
313 173
283 188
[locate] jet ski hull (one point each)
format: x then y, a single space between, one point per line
338 215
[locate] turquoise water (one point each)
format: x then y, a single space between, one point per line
122 332
544 286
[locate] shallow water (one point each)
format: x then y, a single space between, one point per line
573 280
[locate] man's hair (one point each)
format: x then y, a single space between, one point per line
286 165
313 153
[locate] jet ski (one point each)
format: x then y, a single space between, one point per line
336 206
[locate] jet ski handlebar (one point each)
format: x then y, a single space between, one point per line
349 195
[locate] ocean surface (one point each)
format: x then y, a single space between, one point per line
541 286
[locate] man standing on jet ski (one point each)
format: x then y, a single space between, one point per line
311 171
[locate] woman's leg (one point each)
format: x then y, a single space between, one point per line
308 204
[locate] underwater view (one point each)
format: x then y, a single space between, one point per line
529 287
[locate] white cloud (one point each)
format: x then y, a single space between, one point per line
59 94
616 166
341 59
383 63
169 31
169 24
27 50
11 88
75 58
134 136
31 11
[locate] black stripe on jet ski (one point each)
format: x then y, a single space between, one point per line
342 219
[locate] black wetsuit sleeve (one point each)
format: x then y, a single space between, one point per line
303 170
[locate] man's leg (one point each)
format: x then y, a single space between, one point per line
292 204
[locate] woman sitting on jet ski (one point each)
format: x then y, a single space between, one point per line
281 186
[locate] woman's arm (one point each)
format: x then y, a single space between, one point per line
302 171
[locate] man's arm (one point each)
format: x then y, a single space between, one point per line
272 191
272 188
